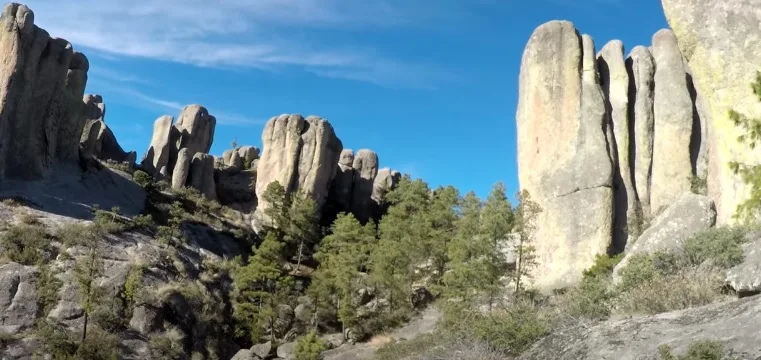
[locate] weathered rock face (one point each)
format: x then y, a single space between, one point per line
157 156
42 81
687 216
195 130
614 79
672 161
385 181
745 278
343 184
365 169
181 169
301 154
563 155
201 175
736 324
720 41
18 298
641 68
103 145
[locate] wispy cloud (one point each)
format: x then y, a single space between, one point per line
259 34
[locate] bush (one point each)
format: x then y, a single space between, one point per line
594 299
167 346
643 268
603 266
100 345
722 246
143 179
47 290
143 222
438 346
109 222
29 219
25 244
73 234
698 350
699 184
309 347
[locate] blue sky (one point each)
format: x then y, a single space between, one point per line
431 85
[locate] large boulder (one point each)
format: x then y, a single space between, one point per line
563 155
720 41
18 298
385 181
736 324
745 278
301 154
101 144
365 169
201 175
687 216
673 110
157 156
195 129
343 184
641 68
42 81
181 169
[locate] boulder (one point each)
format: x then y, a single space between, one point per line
745 278
672 108
286 351
89 140
236 162
248 154
344 180
201 175
687 216
104 145
563 156
195 129
301 154
181 170
614 79
263 351
720 40
42 111
285 317
736 324
236 188
641 68
244 354
227 155
365 169
18 298
157 156
146 319
385 181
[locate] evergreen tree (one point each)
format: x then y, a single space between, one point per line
463 280
496 224
526 215
748 210
303 229
260 286
86 272
442 217
341 255
277 209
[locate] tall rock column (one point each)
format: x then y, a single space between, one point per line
673 110
563 156
721 40
157 156
194 131
365 170
641 68
615 83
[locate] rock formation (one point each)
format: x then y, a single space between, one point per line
195 131
344 181
641 68
201 175
181 169
157 156
301 154
563 154
720 41
365 168
43 82
385 181
101 144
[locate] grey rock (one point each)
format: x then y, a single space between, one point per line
195 128
263 351
236 162
346 158
385 181
18 298
236 188
736 324
244 354
285 317
181 169
201 175
145 319
687 216
158 154
745 278
227 155
248 154
287 350
641 68
563 155
365 169
89 139
104 146
673 110
333 340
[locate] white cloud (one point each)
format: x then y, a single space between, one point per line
260 34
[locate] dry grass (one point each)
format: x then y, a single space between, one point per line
438 346
379 341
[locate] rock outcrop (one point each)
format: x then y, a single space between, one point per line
301 154
181 169
42 82
18 298
365 168
101 143
641 68
672 161
195 130
720 41
563 155
736 324
156 159
201 175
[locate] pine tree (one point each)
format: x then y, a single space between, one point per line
748 210
303 228
442 217
526 215
496 224
341 255
277 209
463 280
260 287
86 272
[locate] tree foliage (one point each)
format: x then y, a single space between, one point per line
750 173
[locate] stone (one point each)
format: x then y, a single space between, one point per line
641 68
89 140
195 129
286 351
745 278
301 154
385 181
181 170
719 40
236 188
227 155
244 354
333 340
735 323
248 154
263 351
672 108
687 216
42 80
236 162
157 156
614 79
201 175
285 317
365 169
344 180
146 319
346 158
563 156
18 298
104 146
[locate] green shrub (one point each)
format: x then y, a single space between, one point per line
76 233
593 299
25 244
699 184
109 222
133 284
143 222
643 268
143 179
309 347
47 290
167 346
603 265
29 219
55 341
698 350
722 246
100 345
